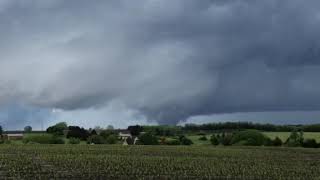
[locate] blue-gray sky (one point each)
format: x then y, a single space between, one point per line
125 62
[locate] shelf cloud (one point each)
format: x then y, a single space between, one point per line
165 60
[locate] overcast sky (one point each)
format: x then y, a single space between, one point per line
125 62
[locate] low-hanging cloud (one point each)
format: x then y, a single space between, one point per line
167 59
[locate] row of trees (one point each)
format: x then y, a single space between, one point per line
159 130
150 139
26 129
75 134
250 125
163 130
156 135
224 133
256 138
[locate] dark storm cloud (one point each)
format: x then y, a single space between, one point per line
168 59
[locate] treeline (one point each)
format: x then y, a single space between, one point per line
250 125
163 130
256 138
61 133
158 135
173 135
75 134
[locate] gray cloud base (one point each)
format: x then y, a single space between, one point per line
168 59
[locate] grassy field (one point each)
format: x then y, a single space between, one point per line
156 162
196 141
282 135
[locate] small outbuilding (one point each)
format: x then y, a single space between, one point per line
14 136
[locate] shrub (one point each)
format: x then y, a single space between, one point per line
185 141
225 139
56 140
43 139
201 134
214 140
249 138
112 139
96 139
74 141
163 140
130 141
5 141
203 138
108 132
310 143
295 139
32 142
268 142
277 142
148 139
173 142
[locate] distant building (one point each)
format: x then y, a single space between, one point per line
17 135
127 138
14 136
124 135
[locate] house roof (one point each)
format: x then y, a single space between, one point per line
124 134
14 135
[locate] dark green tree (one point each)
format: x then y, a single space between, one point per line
226 139
172 142
27 129
310 143
277 142
185 141
249 138
58 129
77 132
93 132
295 139
96 139
108 132
148 139
74 140
135 130
214 140
112 139
130 141
203 138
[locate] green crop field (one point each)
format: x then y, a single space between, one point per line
156 162
284 135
